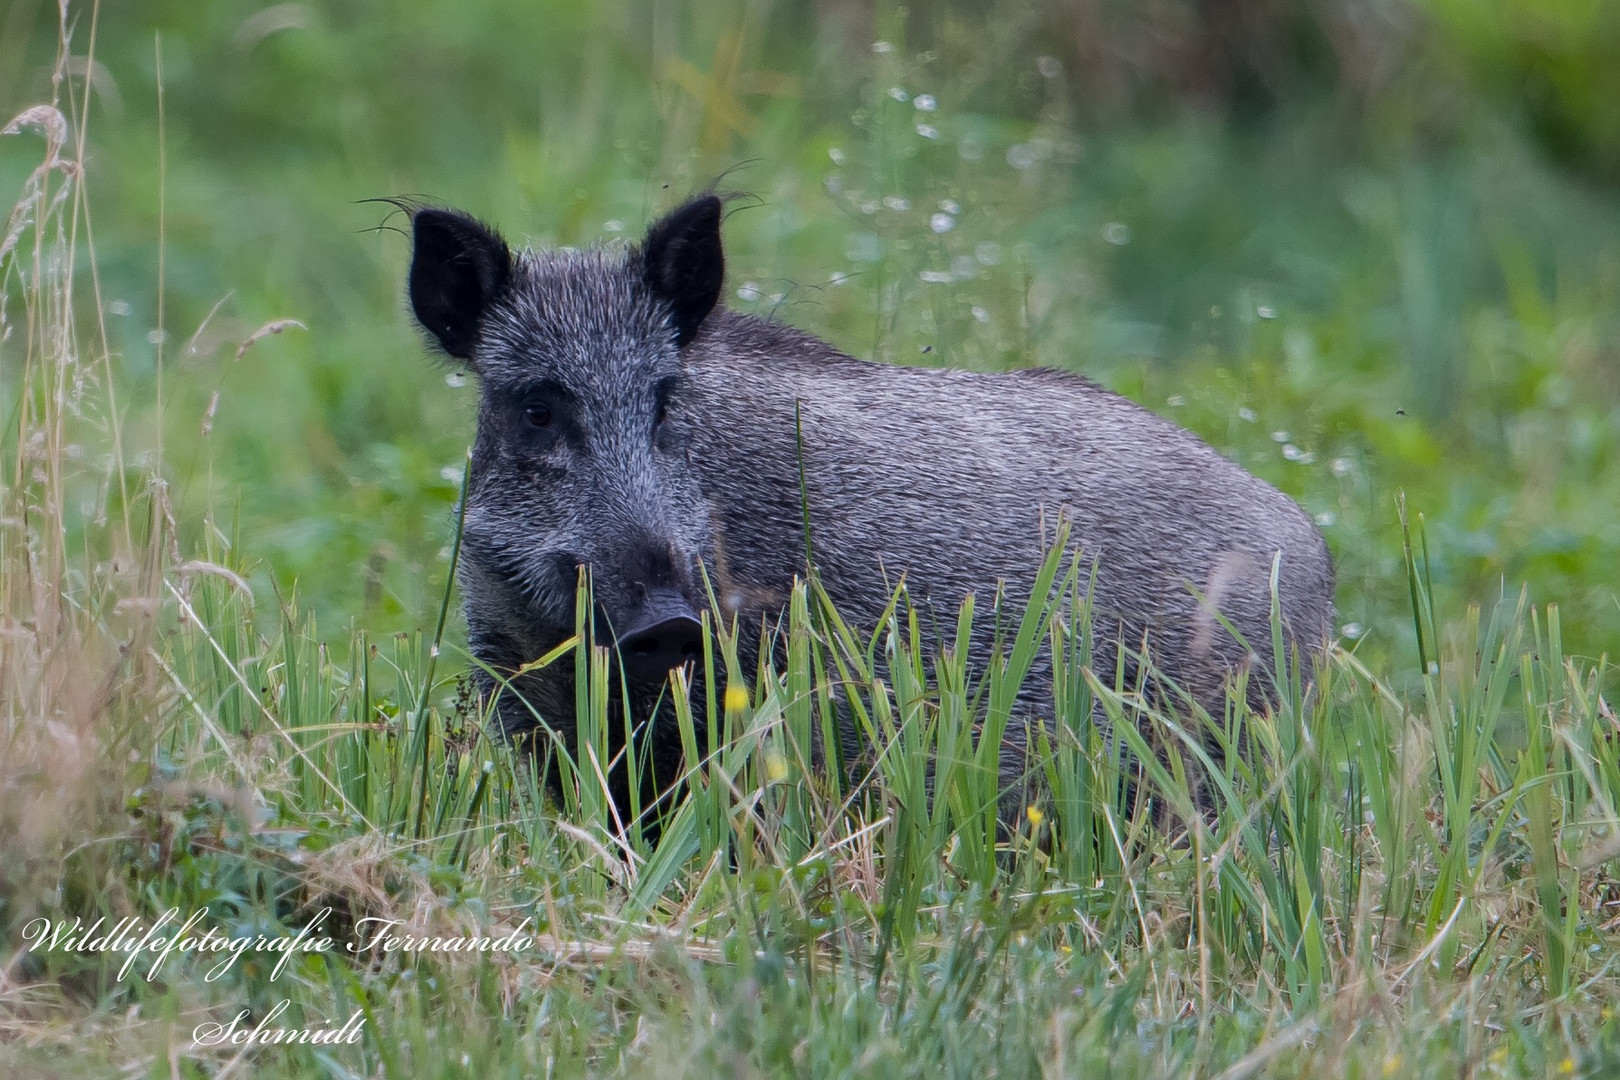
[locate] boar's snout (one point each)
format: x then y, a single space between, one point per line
663 634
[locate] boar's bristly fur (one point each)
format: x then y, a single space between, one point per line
628 422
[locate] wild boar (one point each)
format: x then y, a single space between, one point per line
630 423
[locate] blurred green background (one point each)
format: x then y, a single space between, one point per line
1362 246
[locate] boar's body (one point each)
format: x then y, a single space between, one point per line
947 477
629 424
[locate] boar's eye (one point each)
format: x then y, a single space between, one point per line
537 414
542 412
661 410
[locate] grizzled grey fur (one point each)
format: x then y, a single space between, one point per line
629 422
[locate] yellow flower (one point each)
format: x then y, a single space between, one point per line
736 698
776 766
1035 816
1566 1066
1392 1064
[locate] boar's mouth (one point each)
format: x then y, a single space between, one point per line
662 634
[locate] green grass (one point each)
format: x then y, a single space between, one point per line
207 702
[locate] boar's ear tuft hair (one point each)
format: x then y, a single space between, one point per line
684 263
458 267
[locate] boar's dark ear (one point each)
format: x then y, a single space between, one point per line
457 268
684 262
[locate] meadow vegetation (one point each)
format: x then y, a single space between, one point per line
1375 259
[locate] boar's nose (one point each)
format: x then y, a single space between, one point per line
665 634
